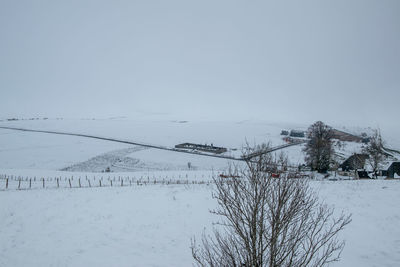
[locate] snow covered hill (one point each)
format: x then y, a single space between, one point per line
28 150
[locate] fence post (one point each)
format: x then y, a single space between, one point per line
111 182
89 183
30 183
79 180
69 181
6 183
43 182
100 182
122 182
58 183
19 183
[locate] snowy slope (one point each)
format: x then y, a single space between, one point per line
152 225
27 150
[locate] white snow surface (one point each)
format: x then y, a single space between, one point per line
29 150
149 224
152 225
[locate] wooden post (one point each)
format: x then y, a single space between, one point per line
19 183
58 183
122 182
100 182
69 181
30 183
89 183
79 180
111 182
43 182
6 183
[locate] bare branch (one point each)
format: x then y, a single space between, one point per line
267 221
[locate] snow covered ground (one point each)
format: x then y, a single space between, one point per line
152 225
28 150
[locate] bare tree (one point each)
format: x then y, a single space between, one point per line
319 149
267 221
375 151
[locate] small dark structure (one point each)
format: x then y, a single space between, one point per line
363 175
284 132
205 148
354 162
296 133
393 169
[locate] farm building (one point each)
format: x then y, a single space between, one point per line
394 170
296 133
206 148
354 162
343 136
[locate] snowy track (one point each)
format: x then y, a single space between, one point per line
122 141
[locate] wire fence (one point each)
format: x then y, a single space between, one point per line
10 182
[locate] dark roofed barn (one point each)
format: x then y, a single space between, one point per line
354 162
296 133
393 169
343 136
204 148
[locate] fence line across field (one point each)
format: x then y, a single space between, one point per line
19 182
109 177
56 183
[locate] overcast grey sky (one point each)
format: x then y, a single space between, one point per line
296 61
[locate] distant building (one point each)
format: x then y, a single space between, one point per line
284 132
205 148
354 162
343 136
296 133
393 170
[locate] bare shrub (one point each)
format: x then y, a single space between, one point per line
267 221
375 152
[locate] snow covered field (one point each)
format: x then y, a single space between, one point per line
28 150
152 225
147 224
